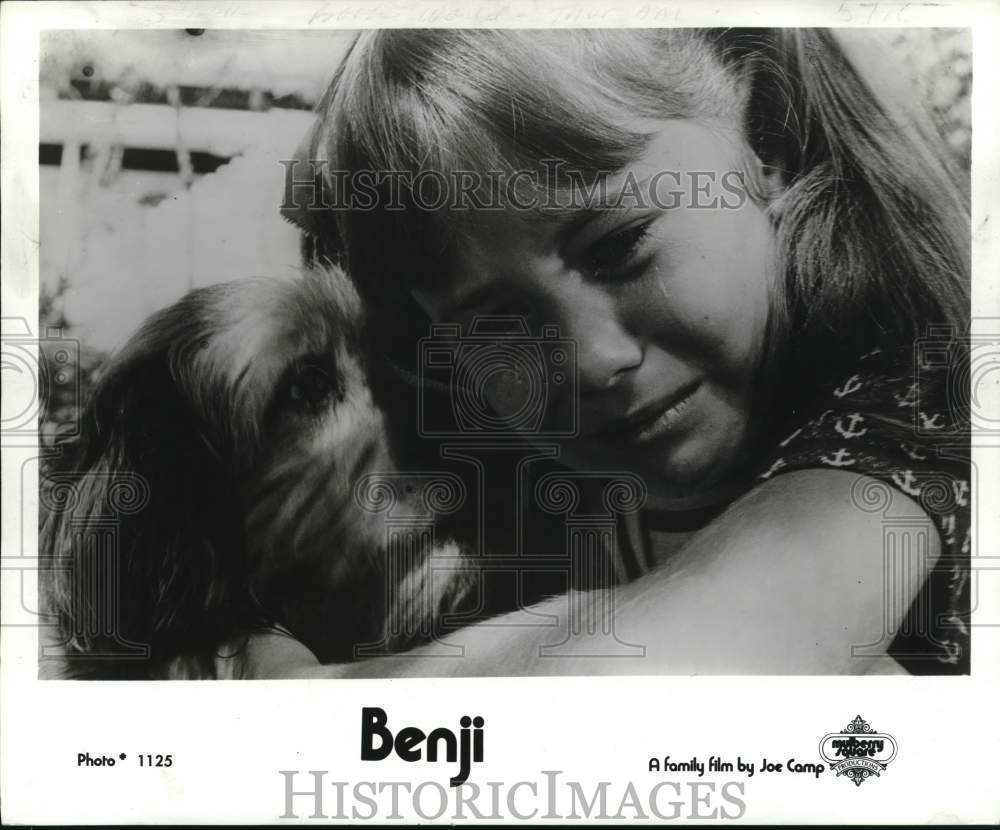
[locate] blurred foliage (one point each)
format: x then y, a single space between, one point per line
226 68
940 62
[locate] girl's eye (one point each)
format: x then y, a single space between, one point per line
308 387
615 257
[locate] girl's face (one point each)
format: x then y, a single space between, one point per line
665 297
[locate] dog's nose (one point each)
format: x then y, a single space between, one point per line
408 485
412 487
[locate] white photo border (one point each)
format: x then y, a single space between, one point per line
229 741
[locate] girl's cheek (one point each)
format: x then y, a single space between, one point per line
710 306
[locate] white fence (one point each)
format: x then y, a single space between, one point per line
221 132
129 241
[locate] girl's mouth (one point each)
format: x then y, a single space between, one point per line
650 422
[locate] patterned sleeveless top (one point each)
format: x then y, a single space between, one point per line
860 425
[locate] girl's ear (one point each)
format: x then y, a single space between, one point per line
774 178
141 528
766 182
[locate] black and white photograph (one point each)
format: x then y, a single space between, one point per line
609 352
595 352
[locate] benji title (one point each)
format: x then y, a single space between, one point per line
378 743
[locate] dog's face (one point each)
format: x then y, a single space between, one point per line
247 409
279 378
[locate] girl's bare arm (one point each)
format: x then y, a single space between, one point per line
793 579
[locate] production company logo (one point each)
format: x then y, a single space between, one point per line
858 752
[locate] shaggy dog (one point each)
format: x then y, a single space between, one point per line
233 474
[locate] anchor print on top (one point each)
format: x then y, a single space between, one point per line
852 384
862 432
851 431
841 458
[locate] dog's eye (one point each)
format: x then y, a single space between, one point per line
308 387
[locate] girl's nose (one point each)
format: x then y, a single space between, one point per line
606 351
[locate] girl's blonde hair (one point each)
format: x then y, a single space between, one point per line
872 227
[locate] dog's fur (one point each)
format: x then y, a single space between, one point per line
244 416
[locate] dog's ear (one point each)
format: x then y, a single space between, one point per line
141 523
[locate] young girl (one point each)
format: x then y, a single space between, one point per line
762 258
